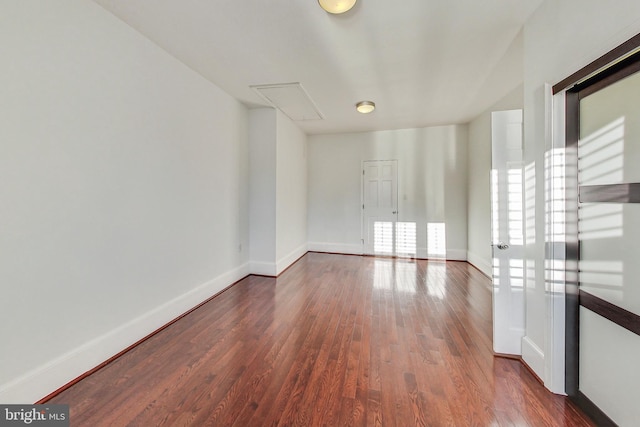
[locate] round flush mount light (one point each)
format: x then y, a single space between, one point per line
365 107
336 6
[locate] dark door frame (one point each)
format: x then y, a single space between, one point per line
612 67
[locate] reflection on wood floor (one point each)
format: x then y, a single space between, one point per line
335 340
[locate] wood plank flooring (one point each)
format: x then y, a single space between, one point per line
335 340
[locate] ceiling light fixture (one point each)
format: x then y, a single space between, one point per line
365 107
336 6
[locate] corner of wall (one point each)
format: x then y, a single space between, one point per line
457 254
286 261
480 263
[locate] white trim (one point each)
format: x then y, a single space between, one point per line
338 248
554 344
289 259
480 263
343 248
452 255
263 268
423 253
45 379
555 262
533 355
456 255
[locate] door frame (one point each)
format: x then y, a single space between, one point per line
615 65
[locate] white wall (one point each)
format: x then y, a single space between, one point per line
479 196
432 184
561 37
278 195
124 188
262 161
291 193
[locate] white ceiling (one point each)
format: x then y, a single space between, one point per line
423 62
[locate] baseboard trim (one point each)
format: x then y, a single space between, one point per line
66 370
533 356
290 259
347 249
583 402
530 369
335 248
456 255
268 269
480 263
525 364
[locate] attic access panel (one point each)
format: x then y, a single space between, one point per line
291 99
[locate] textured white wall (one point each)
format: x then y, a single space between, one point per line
479 197
432 184
124 188
561 37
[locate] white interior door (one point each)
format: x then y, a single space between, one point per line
379 206
507 231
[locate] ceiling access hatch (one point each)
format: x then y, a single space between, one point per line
291 99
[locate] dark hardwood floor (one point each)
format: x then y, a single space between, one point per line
335 340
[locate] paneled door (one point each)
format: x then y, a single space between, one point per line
379 206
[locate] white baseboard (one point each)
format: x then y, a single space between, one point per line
555 346
338 248
533 356
289 259
451 255
263 268
456 254
480 263
45 379
422 253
